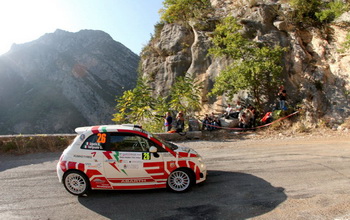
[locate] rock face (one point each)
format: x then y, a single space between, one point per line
316 74
63 80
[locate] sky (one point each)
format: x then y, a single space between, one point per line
130 22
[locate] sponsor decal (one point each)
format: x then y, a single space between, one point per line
128 166
93 146
99 180
95 166
82 137
131 180
134 181
130 156
104 186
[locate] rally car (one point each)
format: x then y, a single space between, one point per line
125 157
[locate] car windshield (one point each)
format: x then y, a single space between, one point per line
166 143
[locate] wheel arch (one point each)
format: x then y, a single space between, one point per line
193 174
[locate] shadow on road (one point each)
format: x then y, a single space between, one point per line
225 195
11 161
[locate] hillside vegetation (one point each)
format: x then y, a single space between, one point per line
244 50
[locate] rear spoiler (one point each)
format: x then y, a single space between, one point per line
82 129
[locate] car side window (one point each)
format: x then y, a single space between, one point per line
129 142
95 142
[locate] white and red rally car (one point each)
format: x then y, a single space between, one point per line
127 157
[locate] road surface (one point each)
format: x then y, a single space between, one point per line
305 177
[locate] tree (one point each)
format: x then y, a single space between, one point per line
134 106
255 67
184 10
185 95
140 106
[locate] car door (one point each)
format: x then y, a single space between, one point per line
91 154
128 163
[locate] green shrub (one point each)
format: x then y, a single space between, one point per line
305 10
347 41
313 12
9 147
331 11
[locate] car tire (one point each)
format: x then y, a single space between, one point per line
180 180
76 182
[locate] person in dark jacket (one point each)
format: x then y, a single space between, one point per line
168 120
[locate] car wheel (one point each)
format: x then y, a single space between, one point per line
76 182
180 180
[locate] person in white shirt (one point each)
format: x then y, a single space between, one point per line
228 111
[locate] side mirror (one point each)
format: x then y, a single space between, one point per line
153 149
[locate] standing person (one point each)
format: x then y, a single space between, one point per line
168 120
237 110
282 96
180 122
217 123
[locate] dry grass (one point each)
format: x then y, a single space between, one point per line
346 123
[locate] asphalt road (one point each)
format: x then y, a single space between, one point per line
292 178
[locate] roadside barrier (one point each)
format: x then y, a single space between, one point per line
244 129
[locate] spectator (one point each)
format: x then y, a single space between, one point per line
216 123
228 111
168 120
180 122
282 96
237 110
212 116
244 119
253 115
207 121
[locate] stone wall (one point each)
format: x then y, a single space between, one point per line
24 144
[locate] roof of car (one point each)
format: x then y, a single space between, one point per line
106 128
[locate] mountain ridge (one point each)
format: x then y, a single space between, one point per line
63 80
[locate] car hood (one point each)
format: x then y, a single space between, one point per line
182 149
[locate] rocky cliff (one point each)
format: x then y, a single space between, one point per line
316 74
63 80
